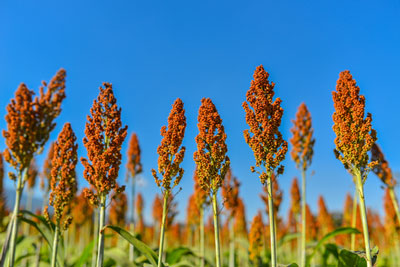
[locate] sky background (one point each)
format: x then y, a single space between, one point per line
153 52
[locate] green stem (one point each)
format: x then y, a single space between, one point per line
15 219
55 246
202 245
216 231
363 211
102 217
95 236
354 221
231 243
132 226
271 221
395 203
162 232
303 219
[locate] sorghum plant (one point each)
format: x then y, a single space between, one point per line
295 207
384 172
104 137
302 152
63 183
256 239
134 167
3 209
264 115
170 156
324 218
45 175
211 160
38 116
139 211
230 193
354 138
312 228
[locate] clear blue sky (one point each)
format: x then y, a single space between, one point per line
154 52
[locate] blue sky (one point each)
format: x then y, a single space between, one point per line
154 52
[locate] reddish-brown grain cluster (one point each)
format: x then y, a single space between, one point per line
295 197
382 169
324 218
210 158
139 211
354 133
230 193
170 152
36 115
264 115
49 105
200 195
192 212
103 141
312 226
63 175
134 164
240 223
82 211
391 222
256 237
302 140
158 210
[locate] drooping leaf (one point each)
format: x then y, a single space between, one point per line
339 231
287 238
176 255
139 245
350 259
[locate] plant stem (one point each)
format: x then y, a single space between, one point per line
363 211
303 219
102 217
271 221
95 236
354 221
15 219
231 243
202 247
55 246
216 231
132 226
395 203
162 232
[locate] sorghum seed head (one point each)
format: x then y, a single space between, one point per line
134 165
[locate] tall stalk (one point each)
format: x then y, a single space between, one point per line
216 231
303 219
395 202
202 245
95 236
132 226
55 246
15 219
272 227
162 232
354 221
363 212
100 250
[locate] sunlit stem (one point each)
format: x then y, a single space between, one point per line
216 231
132 226
15 219
95 236
303 219
395 203
363 212
100 250
55 245
162 231
271 216
354 221
202 245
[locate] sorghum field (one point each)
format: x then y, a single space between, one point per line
90 227
87 196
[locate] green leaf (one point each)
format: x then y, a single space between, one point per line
176 255
339 231
86 254
287 238
45 234
292 265
350 259
139 245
